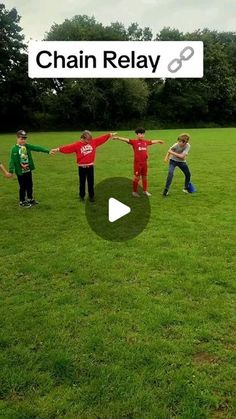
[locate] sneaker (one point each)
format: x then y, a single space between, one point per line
185 190
81 199
165 192
92 199
32 201
135 194
147 193
25 204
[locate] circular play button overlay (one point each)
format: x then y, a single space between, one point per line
116 215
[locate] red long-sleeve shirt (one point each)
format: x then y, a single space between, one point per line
85 150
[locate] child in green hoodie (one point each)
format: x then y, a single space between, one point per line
21 162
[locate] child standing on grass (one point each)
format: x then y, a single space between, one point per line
85 150
140 146
21 162
176 156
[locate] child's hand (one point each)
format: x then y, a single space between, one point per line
161 142
8 175
25 166
112 134
53 151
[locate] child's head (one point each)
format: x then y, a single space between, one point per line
140 132
21 137
86 136
183 139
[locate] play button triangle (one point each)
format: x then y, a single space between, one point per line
117 210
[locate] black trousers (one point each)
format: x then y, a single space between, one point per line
86 173
26 186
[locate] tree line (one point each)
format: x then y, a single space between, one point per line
61 104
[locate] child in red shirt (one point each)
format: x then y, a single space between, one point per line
85 150
140 159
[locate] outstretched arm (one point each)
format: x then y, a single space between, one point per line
101 140
125 140
38 148
66 149
157 142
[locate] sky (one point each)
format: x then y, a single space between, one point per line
185 15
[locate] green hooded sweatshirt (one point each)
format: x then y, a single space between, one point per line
15 164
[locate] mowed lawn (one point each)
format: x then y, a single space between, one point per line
138 329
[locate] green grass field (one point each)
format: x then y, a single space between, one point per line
139 329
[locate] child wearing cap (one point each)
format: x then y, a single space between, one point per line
140 146
85 150
176 156
21 162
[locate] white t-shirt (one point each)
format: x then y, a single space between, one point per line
180 150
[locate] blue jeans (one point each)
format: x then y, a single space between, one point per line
184 167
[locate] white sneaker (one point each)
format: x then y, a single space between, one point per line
185 190
147 193
135 194
165 192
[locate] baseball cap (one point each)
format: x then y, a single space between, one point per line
21 133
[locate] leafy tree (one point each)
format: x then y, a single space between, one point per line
168 34
85 28
206 100
135 33
106 103
11 41
93 102
17 92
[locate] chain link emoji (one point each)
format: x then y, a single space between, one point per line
182 57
